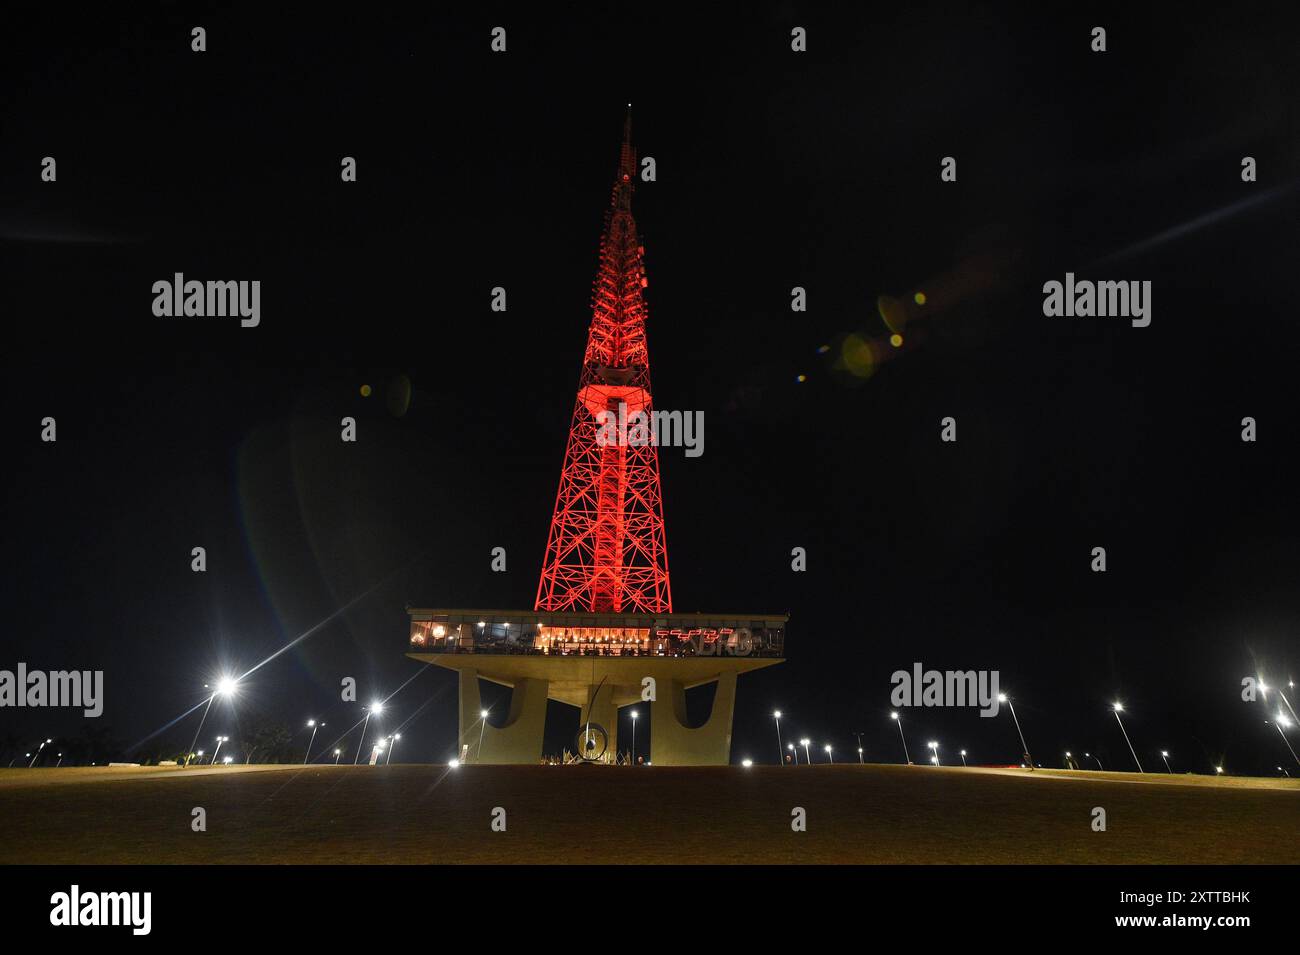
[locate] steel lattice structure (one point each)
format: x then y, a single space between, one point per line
606 550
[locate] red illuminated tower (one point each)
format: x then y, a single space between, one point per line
606 551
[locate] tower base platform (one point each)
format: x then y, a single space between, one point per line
599 667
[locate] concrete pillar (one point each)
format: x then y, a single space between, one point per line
520 738
600 709
674 743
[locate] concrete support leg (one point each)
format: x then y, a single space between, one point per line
603 712
674 743
519 739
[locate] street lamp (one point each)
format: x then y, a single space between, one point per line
1098 761
806 758
226 686
1117 709
790 747
392 745
776 715
1029 760
1164 754
1281 722
483 729
1264 689
37 754
897 719
747 763
830 758
375 709
337 754
634 715
220 740
963 757
934 751
314 728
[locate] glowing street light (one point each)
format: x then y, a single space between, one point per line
1264 690
454 764
226 686
1281 722
897 719
1029 759
220 740
830 758
375 709
747 763
314 728
1219 770
776 715
228 760
963 757
790 747
634 715
1099 765
483 714
392 745
1164 754
37 754
1116 710
934 751
337 754
806 758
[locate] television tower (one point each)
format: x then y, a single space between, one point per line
606 551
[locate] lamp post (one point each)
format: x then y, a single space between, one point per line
220 740
634 737
1281 722
225 687
806 758
337 754
896 718
859 736
1099 765
1029 759
37 754
1264 690
314 727
392 745
934 751
1116 710
790 747
1164 754
483 714
963 757
375 709
776 715
830 757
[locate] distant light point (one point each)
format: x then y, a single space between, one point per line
365 391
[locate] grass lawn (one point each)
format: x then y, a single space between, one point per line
598 814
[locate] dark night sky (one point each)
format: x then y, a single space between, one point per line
774 170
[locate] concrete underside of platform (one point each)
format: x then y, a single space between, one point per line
599 686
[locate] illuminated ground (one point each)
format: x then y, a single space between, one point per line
421 814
